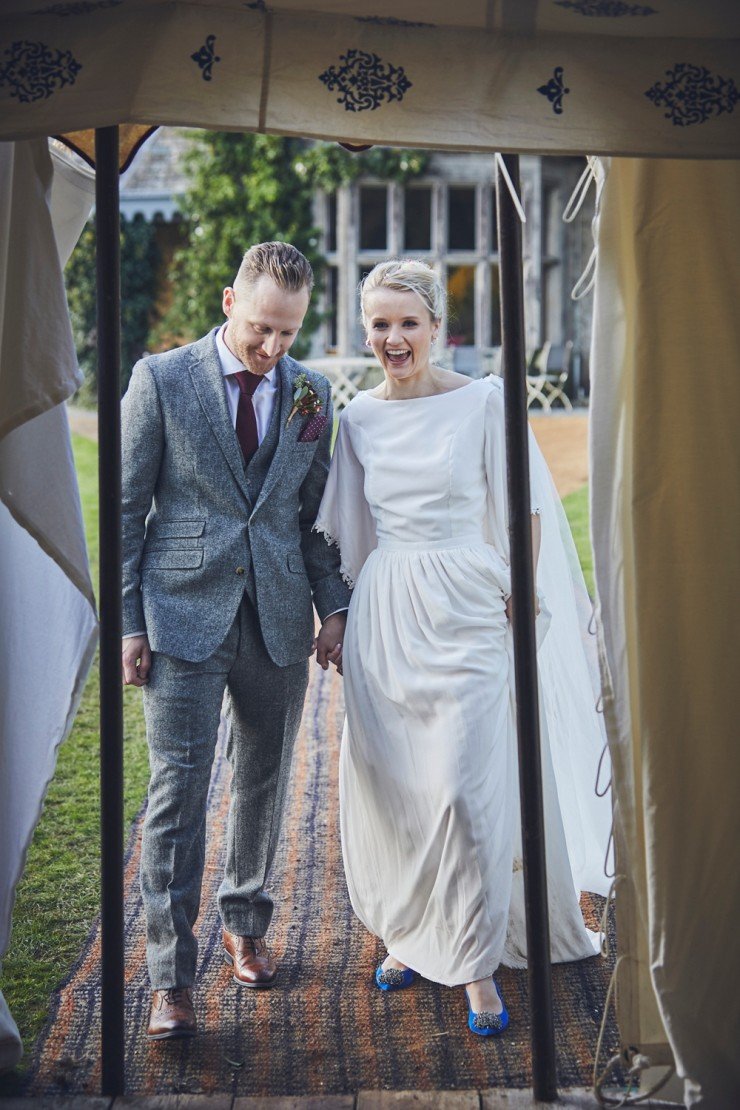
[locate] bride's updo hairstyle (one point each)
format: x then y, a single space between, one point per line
406 275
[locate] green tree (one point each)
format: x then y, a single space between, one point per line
243 189
140 260
248 189
327 165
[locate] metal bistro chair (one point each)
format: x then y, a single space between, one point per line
547 375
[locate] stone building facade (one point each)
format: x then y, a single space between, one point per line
448 218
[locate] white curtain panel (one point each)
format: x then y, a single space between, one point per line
48 625
665 503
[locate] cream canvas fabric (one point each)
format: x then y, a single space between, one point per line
47 613
562 76
665 502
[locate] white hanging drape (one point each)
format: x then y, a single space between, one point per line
665 503
48 626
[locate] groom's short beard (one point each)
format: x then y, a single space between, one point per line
253 364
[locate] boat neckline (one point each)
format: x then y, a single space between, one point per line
427 397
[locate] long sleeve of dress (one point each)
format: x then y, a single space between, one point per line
344 515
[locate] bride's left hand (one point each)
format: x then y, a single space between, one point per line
329 641
509 606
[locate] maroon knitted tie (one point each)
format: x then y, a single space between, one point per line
246 421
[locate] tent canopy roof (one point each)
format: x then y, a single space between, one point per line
562 76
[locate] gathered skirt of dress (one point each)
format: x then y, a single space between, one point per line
428 770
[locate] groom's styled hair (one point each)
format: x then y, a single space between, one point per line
282 262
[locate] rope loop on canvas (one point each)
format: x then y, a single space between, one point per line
629 1059
600 793
609 845
591 174
592 627
579 194
515 198
604 945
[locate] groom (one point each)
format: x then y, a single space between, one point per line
225 457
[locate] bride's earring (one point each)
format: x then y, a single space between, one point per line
367 342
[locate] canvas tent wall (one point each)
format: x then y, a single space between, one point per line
567 76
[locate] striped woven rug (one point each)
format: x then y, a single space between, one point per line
323 1028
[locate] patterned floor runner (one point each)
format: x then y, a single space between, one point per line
323 1028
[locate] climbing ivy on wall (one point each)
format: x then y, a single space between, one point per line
328 165
248 189
242 189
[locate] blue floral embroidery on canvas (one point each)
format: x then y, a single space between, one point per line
611 9
34 70
77 7
693 94
391 21
364 81
555 90
207 57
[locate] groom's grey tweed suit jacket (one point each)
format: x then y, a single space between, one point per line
199 529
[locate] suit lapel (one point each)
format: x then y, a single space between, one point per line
207 378
287 437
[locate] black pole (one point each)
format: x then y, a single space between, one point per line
107 227
544 1068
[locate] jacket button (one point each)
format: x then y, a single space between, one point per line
240 570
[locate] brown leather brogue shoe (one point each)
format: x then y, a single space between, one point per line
172 1014
253 965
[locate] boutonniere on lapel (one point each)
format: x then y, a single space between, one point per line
307 403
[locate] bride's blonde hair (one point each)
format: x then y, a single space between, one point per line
407 275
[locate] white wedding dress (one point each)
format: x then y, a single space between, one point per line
416 500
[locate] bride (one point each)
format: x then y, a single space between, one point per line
416 499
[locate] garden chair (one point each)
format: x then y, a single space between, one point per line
547 375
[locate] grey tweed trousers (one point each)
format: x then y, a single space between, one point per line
182 706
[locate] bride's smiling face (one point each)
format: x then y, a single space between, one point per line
400 330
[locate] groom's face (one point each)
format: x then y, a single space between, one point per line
264 321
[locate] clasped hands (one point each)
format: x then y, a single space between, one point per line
328 643
509 607
136 655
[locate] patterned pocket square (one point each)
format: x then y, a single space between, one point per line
313 428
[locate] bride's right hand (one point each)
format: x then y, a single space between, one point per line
509 607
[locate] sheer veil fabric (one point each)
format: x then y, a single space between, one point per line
416 500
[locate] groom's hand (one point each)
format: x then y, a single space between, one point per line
136 657
329 641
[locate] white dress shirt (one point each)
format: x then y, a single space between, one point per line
263 398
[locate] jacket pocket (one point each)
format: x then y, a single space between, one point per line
295 563
176 529
172 559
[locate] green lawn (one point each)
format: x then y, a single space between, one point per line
576 509
58 896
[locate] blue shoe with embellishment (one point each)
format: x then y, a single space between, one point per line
486 1023
394 978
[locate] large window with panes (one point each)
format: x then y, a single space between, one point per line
451 225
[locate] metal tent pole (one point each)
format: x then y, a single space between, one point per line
107 224
544 1066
